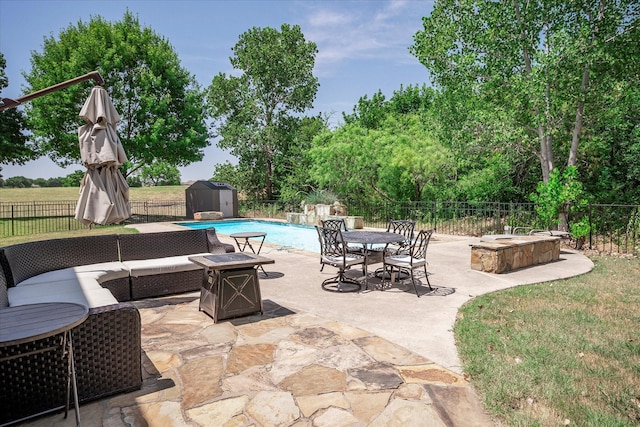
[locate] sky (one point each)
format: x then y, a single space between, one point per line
363 47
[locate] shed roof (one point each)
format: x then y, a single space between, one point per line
210 184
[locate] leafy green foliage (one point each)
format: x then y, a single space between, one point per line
561 195
536 79
228 173
134 181
160 173
398 161
293 164
580 230
254 113
14 146
162 107
318 197
17 182
73 179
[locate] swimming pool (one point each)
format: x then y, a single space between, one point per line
278 233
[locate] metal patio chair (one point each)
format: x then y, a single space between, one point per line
339 224
398 226
334 252
334 223
405 228
408 262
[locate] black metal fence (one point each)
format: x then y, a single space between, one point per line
26 218
612 228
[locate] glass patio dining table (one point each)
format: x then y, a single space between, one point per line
368 239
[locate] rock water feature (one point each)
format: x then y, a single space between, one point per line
313 214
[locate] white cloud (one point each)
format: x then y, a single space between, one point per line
392 9
328 18
363 30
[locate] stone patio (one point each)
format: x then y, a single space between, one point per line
280 368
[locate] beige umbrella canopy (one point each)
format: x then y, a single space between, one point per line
104 193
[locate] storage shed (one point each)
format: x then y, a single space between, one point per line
204 196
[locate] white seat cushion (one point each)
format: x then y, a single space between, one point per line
100 272
150 267
83 291
404 261
349 259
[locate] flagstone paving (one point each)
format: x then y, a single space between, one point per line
277 369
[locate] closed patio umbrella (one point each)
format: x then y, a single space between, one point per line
104 193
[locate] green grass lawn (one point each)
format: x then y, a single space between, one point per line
559 352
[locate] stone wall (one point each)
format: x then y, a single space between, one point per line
502 254
313 214
208 216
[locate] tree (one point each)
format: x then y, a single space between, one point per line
134 181
398 161
532 74
18 182
294 163
559 197
228 173
162 108
14 145
73 179
371 113
368 113
160 173
253 112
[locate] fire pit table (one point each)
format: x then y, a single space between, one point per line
232 289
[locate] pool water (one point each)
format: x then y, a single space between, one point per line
278 233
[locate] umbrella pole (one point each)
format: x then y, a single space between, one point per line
10 103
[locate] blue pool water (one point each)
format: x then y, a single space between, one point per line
283 234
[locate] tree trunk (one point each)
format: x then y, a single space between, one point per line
268 181
546 153
577 126
584 86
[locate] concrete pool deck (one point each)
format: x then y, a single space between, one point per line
423 325
315 358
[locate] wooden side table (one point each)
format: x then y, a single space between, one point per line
27 323
232 288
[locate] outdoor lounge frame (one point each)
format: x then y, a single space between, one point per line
107 346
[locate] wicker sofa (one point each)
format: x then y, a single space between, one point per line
103 273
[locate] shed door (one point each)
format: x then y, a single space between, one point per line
226 203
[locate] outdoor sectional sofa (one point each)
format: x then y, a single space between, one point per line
103 273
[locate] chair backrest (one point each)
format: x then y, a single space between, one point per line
215 245
336 224
419 247
331 243
403 227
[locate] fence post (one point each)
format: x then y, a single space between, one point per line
590 226
435 212
12 222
